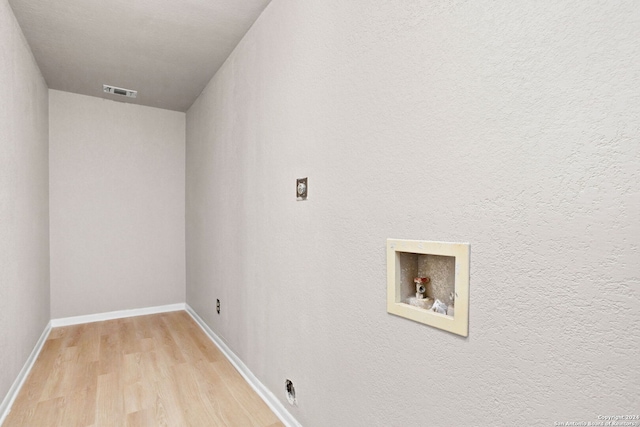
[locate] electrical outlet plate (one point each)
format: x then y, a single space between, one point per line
291 392
301 188
400 283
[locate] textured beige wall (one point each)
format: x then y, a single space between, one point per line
117 205
510 125
24 201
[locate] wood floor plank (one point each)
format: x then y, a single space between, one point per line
144 418
110 352
187 328
196 408
155 370
51 410
214 391
110 400
79 409
243 393
57 377
168 351
129 336
166 405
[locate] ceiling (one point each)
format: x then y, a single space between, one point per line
167 50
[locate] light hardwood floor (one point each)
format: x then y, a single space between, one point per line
156 370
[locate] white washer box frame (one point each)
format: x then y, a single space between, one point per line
459 322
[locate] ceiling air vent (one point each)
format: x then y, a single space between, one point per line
119 91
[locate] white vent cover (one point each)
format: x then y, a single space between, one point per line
119 91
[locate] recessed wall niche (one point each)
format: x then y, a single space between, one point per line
428 282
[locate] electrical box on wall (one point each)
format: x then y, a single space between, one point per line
428 282
302 188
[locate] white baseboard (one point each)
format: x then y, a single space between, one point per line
272 402
5 406
89 318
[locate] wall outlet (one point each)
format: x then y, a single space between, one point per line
301 188
291 392
218 306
